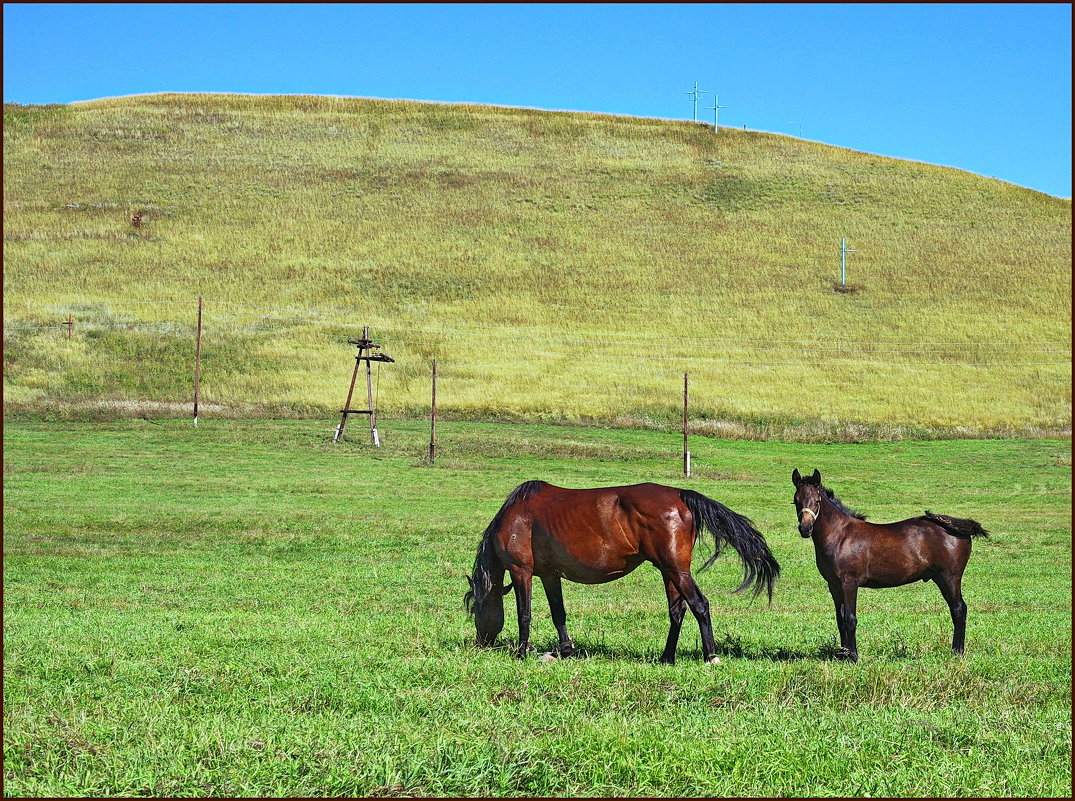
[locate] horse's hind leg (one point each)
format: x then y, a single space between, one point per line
522 580
677 607
699 605
554 592
950 586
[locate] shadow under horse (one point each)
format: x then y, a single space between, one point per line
592 536
852 553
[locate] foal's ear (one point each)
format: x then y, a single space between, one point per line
816 477
796 479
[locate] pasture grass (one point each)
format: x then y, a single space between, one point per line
246 609
559 266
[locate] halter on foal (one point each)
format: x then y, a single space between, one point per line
596 535
852 553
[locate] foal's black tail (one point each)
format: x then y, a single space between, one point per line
956 526
760 568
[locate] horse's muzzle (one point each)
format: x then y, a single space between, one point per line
806 529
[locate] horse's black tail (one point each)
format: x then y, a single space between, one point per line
956 526
481 584
760 568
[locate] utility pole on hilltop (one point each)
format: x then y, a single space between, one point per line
716 107
695 92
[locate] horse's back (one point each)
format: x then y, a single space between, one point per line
590 535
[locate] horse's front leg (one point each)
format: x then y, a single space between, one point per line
844 597
522 580
555 593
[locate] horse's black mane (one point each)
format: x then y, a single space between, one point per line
841 505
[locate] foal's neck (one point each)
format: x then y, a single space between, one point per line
828 514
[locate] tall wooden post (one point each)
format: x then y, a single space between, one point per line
433 419
347 403
686 453
198 363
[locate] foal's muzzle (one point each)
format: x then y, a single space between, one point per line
806 524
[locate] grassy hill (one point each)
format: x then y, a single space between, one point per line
560 266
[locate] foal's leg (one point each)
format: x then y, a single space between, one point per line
845 596
677 606
554 592
699 605
522 580
950 586
851 620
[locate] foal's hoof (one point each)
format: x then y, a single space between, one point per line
713 660
847 656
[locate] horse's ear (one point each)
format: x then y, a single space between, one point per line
796 479
816 477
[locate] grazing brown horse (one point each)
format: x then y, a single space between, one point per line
592 536
852 553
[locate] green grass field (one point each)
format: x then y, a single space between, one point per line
560 267
246 609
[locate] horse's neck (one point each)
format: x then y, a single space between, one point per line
829 516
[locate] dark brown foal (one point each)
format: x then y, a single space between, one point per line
853 553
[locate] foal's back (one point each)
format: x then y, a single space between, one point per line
891 554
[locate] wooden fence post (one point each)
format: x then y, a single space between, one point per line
686 453
198 362
433 419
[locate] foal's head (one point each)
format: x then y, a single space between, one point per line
807 500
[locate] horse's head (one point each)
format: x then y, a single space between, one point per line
807 500
486 603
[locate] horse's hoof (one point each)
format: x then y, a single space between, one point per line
713 660
845 655
548 656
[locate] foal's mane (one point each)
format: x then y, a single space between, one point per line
847 510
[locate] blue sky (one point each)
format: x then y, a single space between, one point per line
981 87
